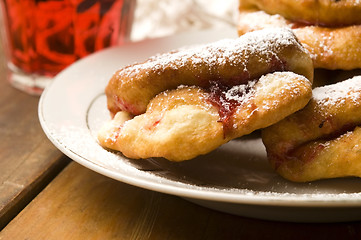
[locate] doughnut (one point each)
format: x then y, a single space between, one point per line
323 139
188 102
331 13
228 61
183 123
330 48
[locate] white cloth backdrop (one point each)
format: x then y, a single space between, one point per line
157 18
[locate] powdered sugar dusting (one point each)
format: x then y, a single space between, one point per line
323 47
349 90
241 92
217 54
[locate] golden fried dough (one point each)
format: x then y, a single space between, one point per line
189 102
330 48
330 13
229 62
183 123
323 139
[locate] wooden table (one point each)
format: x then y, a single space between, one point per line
45 195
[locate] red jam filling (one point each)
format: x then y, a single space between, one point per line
218 89
294 153
226 107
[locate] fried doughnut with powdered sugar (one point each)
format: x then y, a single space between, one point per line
330 47
198 99
229 62
323 139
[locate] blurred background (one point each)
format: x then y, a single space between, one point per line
157 18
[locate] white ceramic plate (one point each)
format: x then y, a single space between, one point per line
235 178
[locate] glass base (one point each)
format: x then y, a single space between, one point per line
33 84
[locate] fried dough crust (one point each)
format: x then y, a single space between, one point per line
229 62
323 139
330 48
188 103
183 123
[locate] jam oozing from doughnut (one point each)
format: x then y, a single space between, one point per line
121 105
226 106
227 97
341 131
293 152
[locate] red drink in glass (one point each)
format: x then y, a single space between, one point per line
45 36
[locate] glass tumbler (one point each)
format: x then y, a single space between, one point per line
42 37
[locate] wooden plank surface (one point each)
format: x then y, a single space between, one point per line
28 161
81 204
